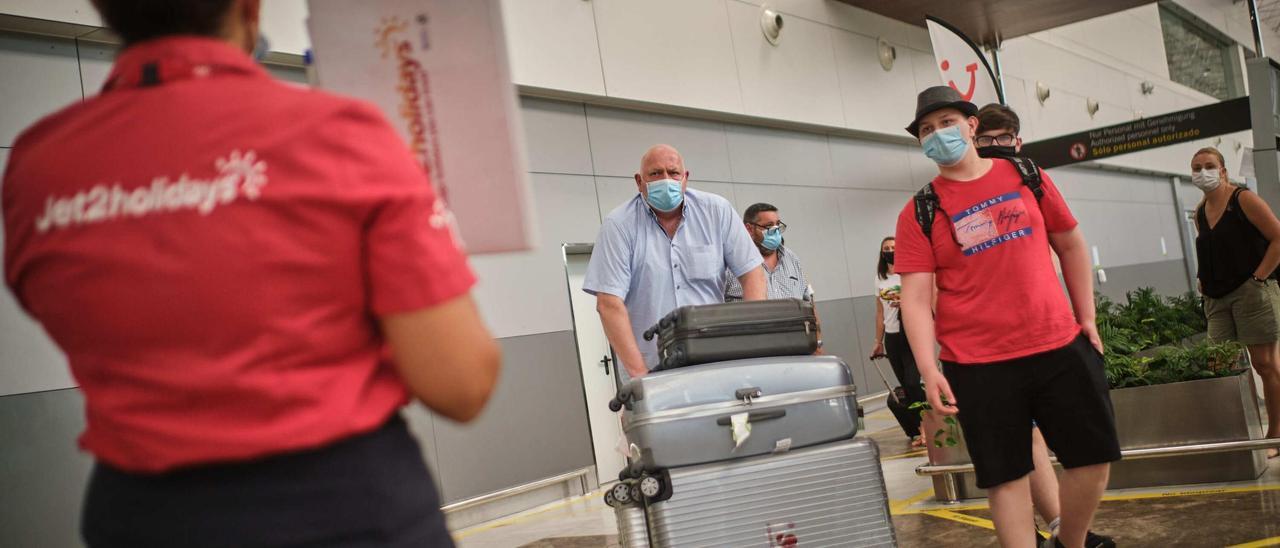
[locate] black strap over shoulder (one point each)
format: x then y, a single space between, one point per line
1030 174
1234 203
926 202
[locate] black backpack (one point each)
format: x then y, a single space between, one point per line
927 202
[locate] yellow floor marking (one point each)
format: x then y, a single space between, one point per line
982 504
1273 541
524 516
896 507
907 455
962 518
1192 492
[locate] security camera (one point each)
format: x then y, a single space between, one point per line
770 24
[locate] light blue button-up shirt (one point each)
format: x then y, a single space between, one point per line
634 260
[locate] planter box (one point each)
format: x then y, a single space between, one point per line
1200 411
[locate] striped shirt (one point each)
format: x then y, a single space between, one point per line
785 281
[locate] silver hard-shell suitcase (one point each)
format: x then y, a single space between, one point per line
683 417
829 495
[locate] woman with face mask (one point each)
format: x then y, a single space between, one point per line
1238 249
891 342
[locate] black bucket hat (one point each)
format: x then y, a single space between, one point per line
937 98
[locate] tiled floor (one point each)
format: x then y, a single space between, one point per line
1236 514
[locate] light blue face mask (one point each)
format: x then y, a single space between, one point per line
772 239
664 195
946 147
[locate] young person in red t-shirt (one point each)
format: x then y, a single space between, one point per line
249 280
1014 349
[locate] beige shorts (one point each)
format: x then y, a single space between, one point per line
1249 314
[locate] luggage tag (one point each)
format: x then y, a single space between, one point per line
740 428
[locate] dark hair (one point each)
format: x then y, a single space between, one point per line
139 20
998 116
882 268
752 213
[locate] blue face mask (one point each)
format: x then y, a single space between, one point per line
946 147
772 239
664 195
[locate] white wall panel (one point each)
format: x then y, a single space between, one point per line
284 24
1033 60
1017 96
874 99
1131 37
925 72
813 232
29 361
612 192
1062 113
761 155
555 136
1091 184
724 190
772 75
669 51
552 44
40 76
923 169
620 137
874 25
95 66
80 12
525 293
865 164
867 217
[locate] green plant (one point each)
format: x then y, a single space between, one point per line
948 435
1148 341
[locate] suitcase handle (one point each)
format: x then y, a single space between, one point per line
756 416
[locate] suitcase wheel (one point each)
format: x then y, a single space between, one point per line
650 486
621 493
609 500
655 488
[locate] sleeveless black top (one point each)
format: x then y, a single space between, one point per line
1228 253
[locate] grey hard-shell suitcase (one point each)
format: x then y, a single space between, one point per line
829 495
692 335
683 417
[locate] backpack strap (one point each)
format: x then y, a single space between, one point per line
926 202
1030 174
1234 203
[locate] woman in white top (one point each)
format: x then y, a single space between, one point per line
891 342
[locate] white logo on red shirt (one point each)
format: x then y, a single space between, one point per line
237 174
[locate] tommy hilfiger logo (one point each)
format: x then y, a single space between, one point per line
237 174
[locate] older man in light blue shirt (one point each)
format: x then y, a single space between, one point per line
665 248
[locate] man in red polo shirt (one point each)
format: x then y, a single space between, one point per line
230 265
1014 349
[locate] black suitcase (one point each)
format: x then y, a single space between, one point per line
692 335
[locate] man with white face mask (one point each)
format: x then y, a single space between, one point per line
665 248
1237 251
1014 349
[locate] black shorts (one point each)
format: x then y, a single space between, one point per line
1064 391
369 490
